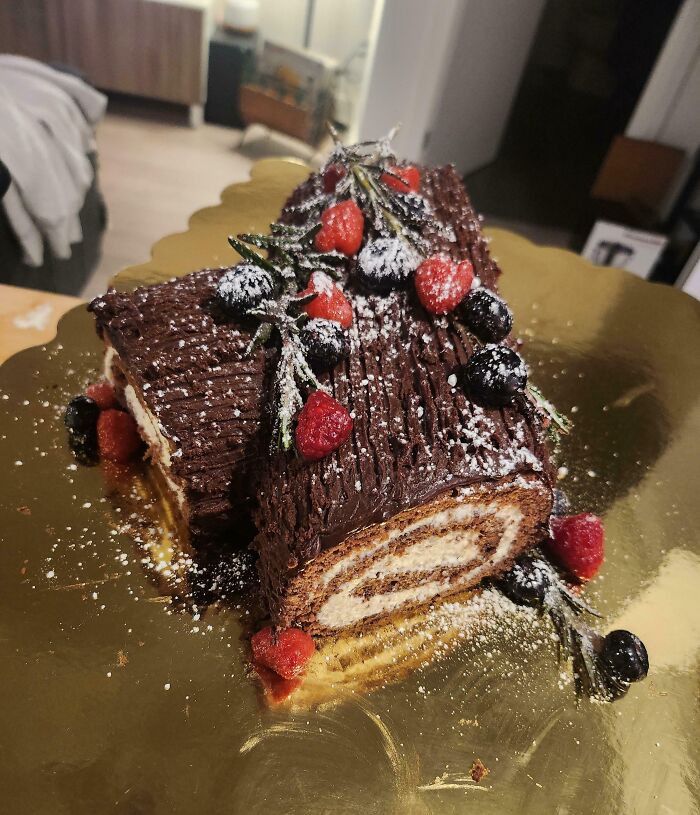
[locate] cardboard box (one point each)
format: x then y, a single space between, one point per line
636 177
617 245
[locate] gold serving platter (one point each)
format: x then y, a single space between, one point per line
125 692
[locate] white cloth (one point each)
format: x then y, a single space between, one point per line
46 130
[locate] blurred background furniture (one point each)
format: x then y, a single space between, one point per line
229 53
290 90
151 48
52 214
55 275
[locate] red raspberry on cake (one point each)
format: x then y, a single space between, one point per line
343 225
323 425
332 175
441 284
330 303
577 542
408 179
277 688
102 393
285 652
118 438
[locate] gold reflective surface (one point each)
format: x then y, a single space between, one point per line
115 699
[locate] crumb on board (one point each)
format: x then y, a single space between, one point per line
478 771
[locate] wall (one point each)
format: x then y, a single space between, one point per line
668 110
408 70
481 81
339 26
449 72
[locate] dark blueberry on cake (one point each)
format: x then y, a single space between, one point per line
486 315
386 263
84 447
244 287
414 209
494 375
527 582
325 342
81 415
623 657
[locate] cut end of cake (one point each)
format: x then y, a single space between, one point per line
439 548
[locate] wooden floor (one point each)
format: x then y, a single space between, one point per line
155 171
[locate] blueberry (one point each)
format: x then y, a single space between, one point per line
526 582
414 209
244 287
561 505
325 342
81 415
623 657
84 447
494 375
386 263
486 315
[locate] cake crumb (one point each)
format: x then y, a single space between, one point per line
478 771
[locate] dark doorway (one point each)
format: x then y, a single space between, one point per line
587 68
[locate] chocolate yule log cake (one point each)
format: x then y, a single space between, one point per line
179 366
354 390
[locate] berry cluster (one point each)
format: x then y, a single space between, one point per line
312 322
99 429
604 667
369 208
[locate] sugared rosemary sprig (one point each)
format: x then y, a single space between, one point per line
285 315
388 210
292 247
562 423
533 581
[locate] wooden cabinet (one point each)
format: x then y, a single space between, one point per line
142 47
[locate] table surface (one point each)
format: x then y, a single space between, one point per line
29 317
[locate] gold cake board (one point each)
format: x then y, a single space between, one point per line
114 700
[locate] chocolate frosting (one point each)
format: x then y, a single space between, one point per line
186 362
416 433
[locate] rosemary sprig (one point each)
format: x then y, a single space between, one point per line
293 247
389 211
285 315
562 423
578 643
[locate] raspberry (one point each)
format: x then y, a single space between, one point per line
441 283
117 436
323 425
285 652
277 689
102 393
330 303
408 178
577 543
342 228
332 175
